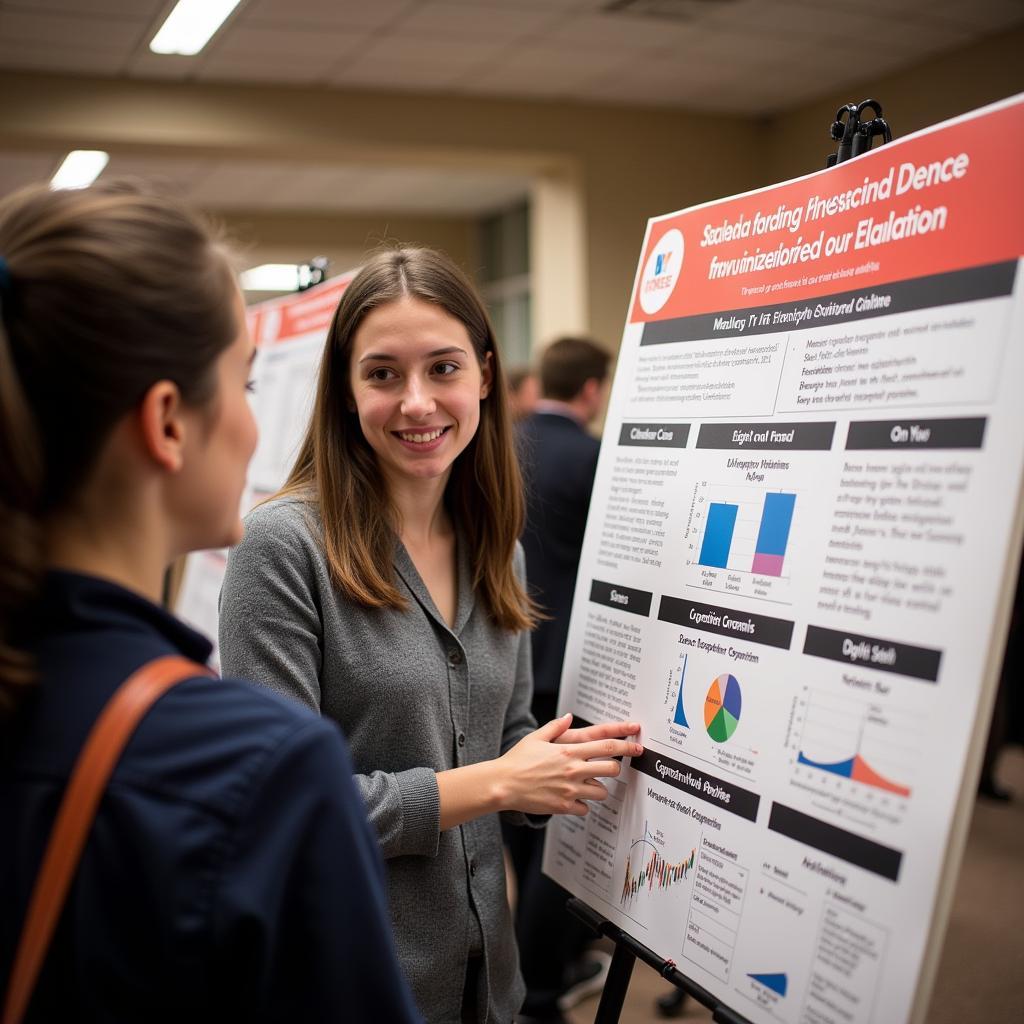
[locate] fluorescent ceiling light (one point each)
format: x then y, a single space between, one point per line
190 26
81 167
274 277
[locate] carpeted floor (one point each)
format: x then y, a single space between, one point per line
981 974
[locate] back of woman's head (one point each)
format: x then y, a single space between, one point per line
103 292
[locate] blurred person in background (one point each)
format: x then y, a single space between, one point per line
230 873
523 392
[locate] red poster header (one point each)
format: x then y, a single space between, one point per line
940 200
293 316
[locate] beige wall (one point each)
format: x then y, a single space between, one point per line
630 163
932 91
344 238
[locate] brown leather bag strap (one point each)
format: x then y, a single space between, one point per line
102 750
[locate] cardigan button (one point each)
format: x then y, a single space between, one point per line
472 868
462 739
454 656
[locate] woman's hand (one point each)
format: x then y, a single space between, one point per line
555 769
604 731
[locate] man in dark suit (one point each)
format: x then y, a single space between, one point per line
559 459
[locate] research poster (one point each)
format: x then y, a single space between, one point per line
803 529
289 334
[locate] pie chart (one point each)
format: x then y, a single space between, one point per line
722 707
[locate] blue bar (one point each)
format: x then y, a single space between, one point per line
776 520
718 534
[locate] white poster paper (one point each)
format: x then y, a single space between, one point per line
803 530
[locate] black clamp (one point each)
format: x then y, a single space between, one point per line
855 133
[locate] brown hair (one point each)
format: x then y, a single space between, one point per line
103 292
337 470
568 363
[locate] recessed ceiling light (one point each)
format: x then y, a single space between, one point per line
274 277
81 167
191 25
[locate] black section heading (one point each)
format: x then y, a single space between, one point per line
623 599
883 655
988 282
710 618
726 795
875 435
793 437
854 849
655 435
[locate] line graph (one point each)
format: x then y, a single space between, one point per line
647 868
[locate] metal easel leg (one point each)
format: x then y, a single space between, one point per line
616 986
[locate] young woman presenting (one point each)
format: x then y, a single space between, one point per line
384 586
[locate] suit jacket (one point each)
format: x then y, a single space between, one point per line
559 460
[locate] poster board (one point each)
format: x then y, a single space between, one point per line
289 334
804 530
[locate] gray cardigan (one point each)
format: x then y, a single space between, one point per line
413 698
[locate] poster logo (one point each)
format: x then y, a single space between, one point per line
661 271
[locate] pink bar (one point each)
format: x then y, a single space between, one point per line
768 565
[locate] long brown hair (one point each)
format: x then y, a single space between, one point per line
337 470
103 292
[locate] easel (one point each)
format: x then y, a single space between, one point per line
627 952
855 135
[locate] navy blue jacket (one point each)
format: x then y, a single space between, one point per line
230 873
559 460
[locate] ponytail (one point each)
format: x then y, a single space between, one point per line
103 292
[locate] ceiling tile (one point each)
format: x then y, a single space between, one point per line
769 51
604 31
537 60
246 42
395 49
26 56
552 5
772 19
110 35
104 8
339 14
986 14
473 21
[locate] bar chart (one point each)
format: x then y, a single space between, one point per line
725 543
